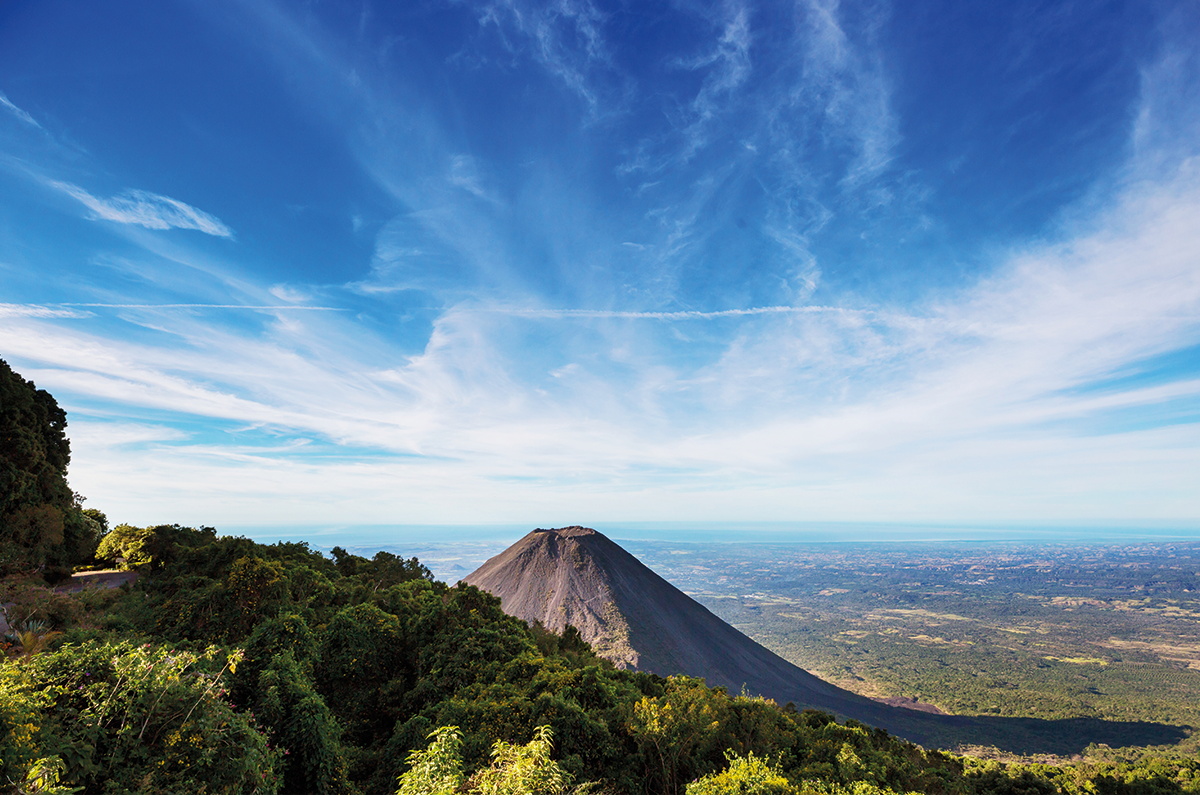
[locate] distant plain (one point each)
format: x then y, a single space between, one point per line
1016 629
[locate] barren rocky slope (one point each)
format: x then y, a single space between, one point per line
635 618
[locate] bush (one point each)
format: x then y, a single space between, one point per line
134 545
30 602
746 775
515 769
300 723
137 719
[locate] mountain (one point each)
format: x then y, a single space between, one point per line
633 617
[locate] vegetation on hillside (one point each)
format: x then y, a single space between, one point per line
233 666
41 521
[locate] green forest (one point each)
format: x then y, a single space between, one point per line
231 666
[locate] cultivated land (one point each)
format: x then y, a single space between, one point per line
1051 631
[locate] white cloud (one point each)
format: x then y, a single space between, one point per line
990 371
464 173
688 314
285 292
146 209
20 114
112 435
976 406
565 371
37 310
813 413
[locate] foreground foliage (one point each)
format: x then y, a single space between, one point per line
233 666
119 717
515 769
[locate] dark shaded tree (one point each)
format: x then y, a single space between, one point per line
41 522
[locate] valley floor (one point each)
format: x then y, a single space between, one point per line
1007 629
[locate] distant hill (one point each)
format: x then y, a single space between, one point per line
633 617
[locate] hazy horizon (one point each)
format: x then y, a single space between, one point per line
452 551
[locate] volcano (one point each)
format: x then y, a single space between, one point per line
633 617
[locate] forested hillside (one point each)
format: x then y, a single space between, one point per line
233 666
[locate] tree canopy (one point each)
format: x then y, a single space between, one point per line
41 522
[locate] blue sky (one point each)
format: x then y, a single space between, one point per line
570 262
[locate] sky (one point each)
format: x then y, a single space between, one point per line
532 263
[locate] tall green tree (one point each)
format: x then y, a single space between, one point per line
41 522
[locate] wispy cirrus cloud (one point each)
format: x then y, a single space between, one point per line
38 310
269 307
146 209
20 114
465 174
845 80
678 315
565 38
729 67
969 402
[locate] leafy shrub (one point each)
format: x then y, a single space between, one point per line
522 769
746 775
21 711
515 769
300 723
137 719
436 770
361 651
254 588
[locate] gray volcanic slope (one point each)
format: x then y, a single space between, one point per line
635 618
638 620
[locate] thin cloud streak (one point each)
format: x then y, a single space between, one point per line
146 209
36 310
678 315
211 306
731 68
20 114
847 82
